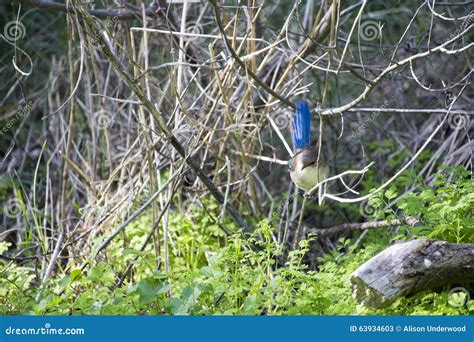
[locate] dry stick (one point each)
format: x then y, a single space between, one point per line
69 142
407 110
346 47
399 172
132 217
99 13
242 64
82 174
319 33
51 265
300 222
369 87
145 243
193 165
248 71
178 112
154 10
347 227
149 142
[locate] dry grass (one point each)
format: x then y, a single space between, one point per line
114 93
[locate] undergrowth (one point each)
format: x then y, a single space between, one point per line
212 274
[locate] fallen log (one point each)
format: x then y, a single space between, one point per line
410 267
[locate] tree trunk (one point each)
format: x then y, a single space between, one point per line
410 267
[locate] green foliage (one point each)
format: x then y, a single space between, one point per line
212 274
446 209
236 280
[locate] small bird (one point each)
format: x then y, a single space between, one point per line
305 169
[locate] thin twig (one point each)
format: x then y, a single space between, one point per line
99 13
239 221
348 227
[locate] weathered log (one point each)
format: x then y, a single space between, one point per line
410 267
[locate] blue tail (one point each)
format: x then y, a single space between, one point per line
302 125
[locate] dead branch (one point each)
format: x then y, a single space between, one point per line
348 227
410 267
134 13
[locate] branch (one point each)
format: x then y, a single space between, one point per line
242 64
161 124
348 227
399 172
410 267
99 13
51 264
369 87
408 110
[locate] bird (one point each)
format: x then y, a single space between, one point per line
305 169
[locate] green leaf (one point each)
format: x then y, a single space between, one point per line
101 274
75 274
4 246
149 288
391 193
